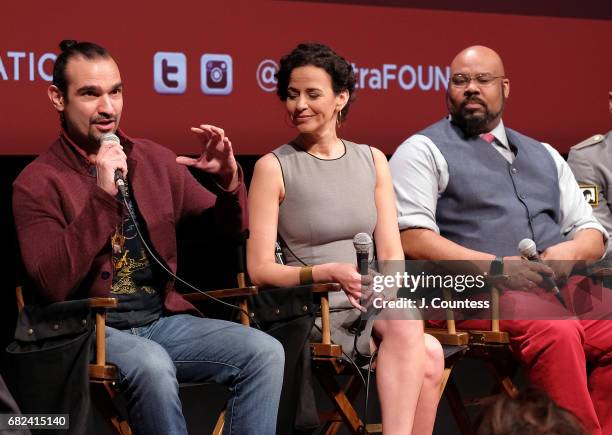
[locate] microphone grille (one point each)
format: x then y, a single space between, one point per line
109 137
527 247
362 242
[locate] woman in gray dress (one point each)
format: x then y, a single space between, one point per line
314 194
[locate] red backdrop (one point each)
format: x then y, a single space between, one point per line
560 68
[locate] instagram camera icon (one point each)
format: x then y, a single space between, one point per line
169 73
216 74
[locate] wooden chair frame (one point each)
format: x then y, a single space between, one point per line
490 346
327 364
104 377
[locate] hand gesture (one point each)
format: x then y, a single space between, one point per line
217 157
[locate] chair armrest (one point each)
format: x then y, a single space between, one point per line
222 294
326 287
456 338
94 303
238 292
103 303
99 306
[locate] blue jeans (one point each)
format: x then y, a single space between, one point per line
153 359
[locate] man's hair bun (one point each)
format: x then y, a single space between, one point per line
67 43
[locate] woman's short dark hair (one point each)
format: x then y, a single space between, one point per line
532 412
70 49
322 56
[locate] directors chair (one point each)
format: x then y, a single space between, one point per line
103 377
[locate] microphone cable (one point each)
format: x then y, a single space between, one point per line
367 391
168 271
364 382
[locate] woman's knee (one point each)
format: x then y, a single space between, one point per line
434 356
406 332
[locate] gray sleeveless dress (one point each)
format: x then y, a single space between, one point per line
326 203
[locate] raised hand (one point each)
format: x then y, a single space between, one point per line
216 158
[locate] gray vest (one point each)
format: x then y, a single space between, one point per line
490 205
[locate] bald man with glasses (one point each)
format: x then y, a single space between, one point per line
469 188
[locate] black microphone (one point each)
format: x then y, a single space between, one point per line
527 248
119 179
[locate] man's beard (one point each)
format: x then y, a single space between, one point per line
472 123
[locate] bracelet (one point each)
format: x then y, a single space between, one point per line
306 275
497 266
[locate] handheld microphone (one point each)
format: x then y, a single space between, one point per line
119 179
527 248
363 244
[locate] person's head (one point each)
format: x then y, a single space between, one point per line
87 92
317 86
588 195
477 90
532 412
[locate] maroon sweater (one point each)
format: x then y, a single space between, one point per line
64 220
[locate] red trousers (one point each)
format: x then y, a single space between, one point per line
556 352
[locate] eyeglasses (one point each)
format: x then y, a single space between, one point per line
483 79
